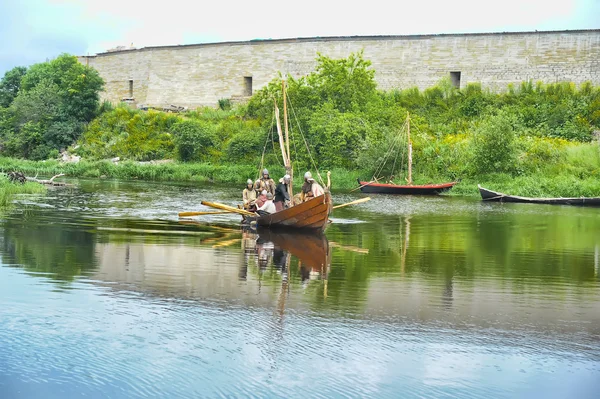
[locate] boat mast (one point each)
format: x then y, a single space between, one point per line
282 142
288 166
409 180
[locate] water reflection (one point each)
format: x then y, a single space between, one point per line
277 248
436 298
57 247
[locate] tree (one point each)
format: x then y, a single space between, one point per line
53 103
348 83
337 137
10 85
78 85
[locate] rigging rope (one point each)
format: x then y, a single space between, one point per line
262 158
274 150
395 142
306 143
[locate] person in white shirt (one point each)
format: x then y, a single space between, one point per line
268 207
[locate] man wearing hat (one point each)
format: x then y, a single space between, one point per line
282 195
310 188
265 183
249 195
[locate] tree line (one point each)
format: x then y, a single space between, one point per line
338 117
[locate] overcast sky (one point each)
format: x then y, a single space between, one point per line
35 30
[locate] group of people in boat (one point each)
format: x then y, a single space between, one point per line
265 197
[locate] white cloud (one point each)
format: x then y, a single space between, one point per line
96 25
190 21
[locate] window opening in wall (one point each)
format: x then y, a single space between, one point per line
247 86
455 79
130 88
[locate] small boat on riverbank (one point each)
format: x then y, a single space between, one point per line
425 189
494 196
374 187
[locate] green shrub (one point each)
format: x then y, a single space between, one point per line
246 147
337 137
538 153
194 140
129 134
493 146
225 104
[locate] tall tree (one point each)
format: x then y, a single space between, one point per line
78 85
348 83
10 85
52 105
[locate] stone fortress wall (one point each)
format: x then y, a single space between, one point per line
201 74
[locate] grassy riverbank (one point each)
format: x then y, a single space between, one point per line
579 176
9 190
533 139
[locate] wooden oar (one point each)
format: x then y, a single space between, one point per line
359 201
184 214
227 208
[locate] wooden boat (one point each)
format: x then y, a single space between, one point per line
373 187
489 195
310 215
425 189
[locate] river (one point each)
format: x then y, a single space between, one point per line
104 293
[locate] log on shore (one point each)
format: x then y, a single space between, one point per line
49 182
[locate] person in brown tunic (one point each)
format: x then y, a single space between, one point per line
266 183
249 195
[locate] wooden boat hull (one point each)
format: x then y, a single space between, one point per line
312 215
427 189
489 195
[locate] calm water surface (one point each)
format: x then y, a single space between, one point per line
104 293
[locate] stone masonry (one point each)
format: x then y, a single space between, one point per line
201 74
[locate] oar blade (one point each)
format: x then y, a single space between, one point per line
359 201
187 214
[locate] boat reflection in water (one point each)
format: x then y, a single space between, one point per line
275 249
206 262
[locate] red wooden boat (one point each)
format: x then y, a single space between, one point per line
373 187
412 189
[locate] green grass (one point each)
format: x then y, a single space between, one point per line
575 173
9 190
174 171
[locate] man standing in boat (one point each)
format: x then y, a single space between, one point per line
266 183
310 188
282 195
